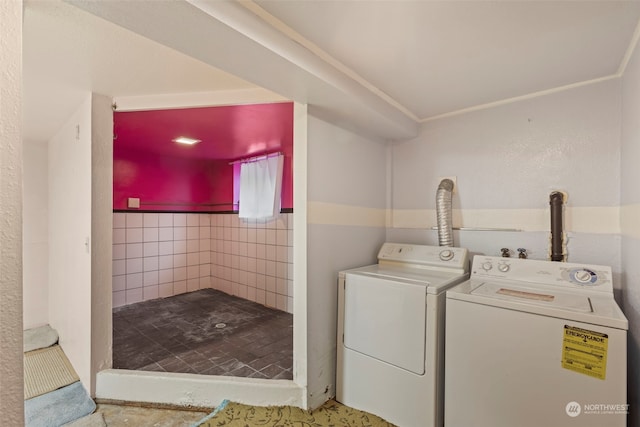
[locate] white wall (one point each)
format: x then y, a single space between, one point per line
507 160
35 251
69 239
11 372
630 224
101 230
345 228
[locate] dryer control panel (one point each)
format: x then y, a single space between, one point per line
596 278
422 255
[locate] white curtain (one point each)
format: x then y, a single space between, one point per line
260 188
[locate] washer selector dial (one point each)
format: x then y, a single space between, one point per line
584 276
486 266
446 254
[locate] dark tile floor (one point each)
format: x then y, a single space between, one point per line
182 334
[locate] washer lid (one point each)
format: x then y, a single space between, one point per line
436 281
535 296
595 308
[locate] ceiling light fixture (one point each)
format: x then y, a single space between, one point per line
186 141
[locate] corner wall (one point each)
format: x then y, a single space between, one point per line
70 183
630 225
11 370
254 259
36 236
345 228
158 255
507 161
101 234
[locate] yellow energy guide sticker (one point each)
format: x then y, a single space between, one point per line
585 351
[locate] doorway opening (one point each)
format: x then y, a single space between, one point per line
184 263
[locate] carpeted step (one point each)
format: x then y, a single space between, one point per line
46 370
58 407
40 337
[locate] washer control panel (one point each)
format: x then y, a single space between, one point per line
422 255
583 276
591 277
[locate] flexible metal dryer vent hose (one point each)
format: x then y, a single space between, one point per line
443 213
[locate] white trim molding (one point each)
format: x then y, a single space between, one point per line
192 390
598 220
630 220
336 214
196 99
594 219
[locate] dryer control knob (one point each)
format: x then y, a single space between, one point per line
503 267
486 266
446 254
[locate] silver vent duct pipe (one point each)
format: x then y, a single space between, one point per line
443 212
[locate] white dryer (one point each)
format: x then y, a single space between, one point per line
391 332
535 343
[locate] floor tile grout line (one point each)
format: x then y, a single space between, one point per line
196 305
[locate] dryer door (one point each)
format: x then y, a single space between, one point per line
386 319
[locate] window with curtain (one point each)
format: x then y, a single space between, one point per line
261 187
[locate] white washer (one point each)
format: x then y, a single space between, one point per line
535 343
391 332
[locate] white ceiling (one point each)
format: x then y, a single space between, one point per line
380 65
68 52
435 57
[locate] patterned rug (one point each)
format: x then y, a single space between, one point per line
331 414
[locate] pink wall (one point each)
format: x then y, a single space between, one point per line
183 184
149 166
287 176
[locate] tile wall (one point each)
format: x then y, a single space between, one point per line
159 255
156 255
254 259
